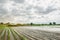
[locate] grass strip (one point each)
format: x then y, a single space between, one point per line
3 36
13 34
8 35
20 36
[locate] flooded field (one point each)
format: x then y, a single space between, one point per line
30 33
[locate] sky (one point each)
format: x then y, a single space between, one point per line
27 11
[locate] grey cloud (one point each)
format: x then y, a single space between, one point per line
29 7
18 1
24 13
46 11
20 13
15 12
3 1
3 11
39 9
50 9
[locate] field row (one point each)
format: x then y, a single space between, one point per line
10 34
18 33
32 34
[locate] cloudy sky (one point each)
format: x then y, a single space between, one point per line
27 11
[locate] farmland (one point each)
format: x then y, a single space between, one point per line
29 33
7 33
39 33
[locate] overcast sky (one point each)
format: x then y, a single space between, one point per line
27 11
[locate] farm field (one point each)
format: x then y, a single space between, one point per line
29 33
7 33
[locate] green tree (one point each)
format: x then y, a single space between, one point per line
1 23
31 23
8 23
50 23
54 23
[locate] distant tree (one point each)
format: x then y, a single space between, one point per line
50 23
18 24
1 23
31 23
8 23
54 23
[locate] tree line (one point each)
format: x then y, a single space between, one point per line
30 24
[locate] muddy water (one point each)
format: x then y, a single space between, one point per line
39 33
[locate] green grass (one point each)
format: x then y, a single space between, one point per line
8 34
2 26
3 36
20 36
